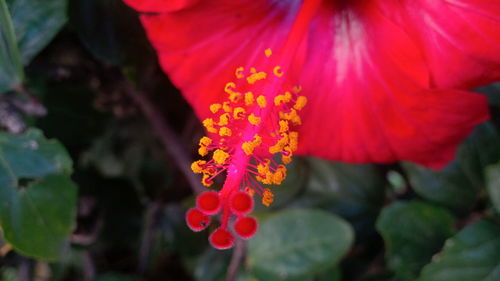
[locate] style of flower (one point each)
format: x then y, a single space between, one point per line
384 81
252 140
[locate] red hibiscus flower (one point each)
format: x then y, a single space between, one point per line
384 80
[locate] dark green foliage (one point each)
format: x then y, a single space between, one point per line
460 183
38 206
36 23
493 186
413 232
296 243
471 255
11 71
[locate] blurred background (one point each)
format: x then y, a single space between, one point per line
95 150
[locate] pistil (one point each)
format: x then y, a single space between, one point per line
247 133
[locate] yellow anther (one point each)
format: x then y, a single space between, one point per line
297 89
202 150
234 97
268 52
206 181
209 125
205 141
249 99
229 87
254 120
239 112
280 145
267 179
261 101
286 158
215 107
267 197
209 122
277 100
225 132
249 146
239 72
300 103
263 168
220 156
296 119
283 126
279 175
223 119
227 107
254 77
277 71
287 96
292 116
275 149
197 166
257 140
294 141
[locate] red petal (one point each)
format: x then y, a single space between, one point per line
197 220
158 6
221 239
208 202
241 203
210 41
366 79
246 227
460 38
378 109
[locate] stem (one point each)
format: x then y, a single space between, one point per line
167 137
89 270
147 236
236 260
24 271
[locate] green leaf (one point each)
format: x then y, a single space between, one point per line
31 220
413 232
338 187
38 206
294 244
491 91
493 185
332 274
30 155
458 185
36 23
11 70
472 255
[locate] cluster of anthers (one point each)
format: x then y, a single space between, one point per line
251 140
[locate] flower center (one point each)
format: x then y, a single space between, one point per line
251 139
